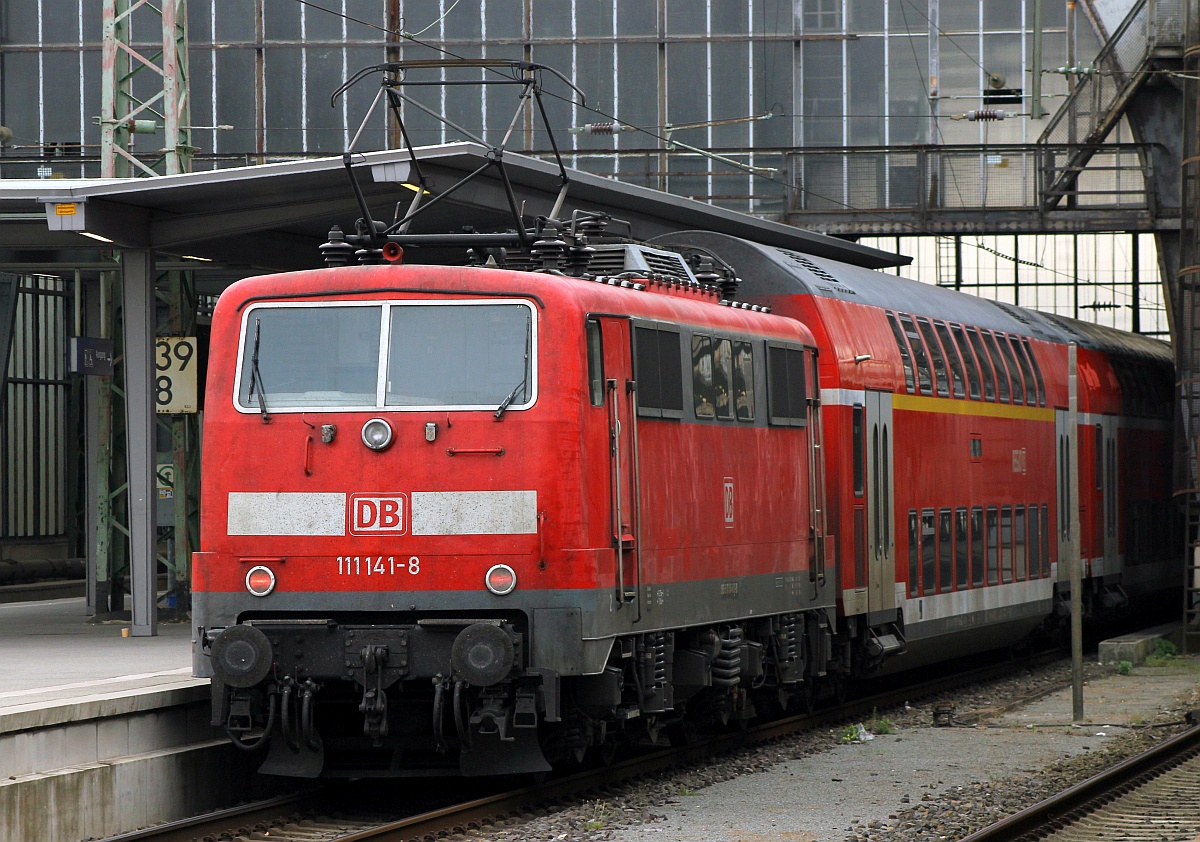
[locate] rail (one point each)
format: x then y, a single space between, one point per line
1161 816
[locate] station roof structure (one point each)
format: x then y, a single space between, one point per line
272 217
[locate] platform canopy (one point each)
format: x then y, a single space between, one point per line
272 217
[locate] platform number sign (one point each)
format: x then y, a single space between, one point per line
175 374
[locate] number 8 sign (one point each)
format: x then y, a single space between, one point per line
175 374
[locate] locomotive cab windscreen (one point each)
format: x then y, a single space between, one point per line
391 355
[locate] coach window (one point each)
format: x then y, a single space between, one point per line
1037 372
968 359
935 354
1006 544
962 549
985 365
859 460
914 552
658 369
703 391
743 380
993 546
1019 391
924 378
909 381
595 357
785 385
977 546
928 553
945 550
1019 557
1046 541
1035 543
1002 381
723 378
956 373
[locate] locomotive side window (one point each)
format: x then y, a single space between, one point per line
1018 388
960 342
723 378
928 552
956 372
962 549
993 546
914 553
658 370
1019 547
785 386
935 354
993 350
743 380
924 377
905 358
985 365
977 546
859 448
704 393
595 357
945 550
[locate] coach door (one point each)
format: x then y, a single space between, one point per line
620 401
1106 498
1066 475
881 594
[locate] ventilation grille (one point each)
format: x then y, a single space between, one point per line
796 257
1014 311
615 259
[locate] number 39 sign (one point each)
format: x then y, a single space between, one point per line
175 375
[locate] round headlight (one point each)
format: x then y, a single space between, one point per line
260 581
500 579
377 434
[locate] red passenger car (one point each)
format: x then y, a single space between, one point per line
946 434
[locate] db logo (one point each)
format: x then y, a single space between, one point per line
377 514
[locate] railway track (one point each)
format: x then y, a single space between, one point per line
323 814
1152 797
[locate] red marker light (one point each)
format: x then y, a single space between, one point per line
260 581
501 579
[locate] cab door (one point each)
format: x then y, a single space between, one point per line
881 543
620 400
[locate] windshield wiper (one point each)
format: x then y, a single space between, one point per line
504 404
256 384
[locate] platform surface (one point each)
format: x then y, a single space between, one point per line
52 657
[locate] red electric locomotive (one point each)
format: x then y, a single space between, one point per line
457 517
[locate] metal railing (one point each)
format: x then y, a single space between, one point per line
922 180
1102 94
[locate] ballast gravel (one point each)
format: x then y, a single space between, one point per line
919 784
